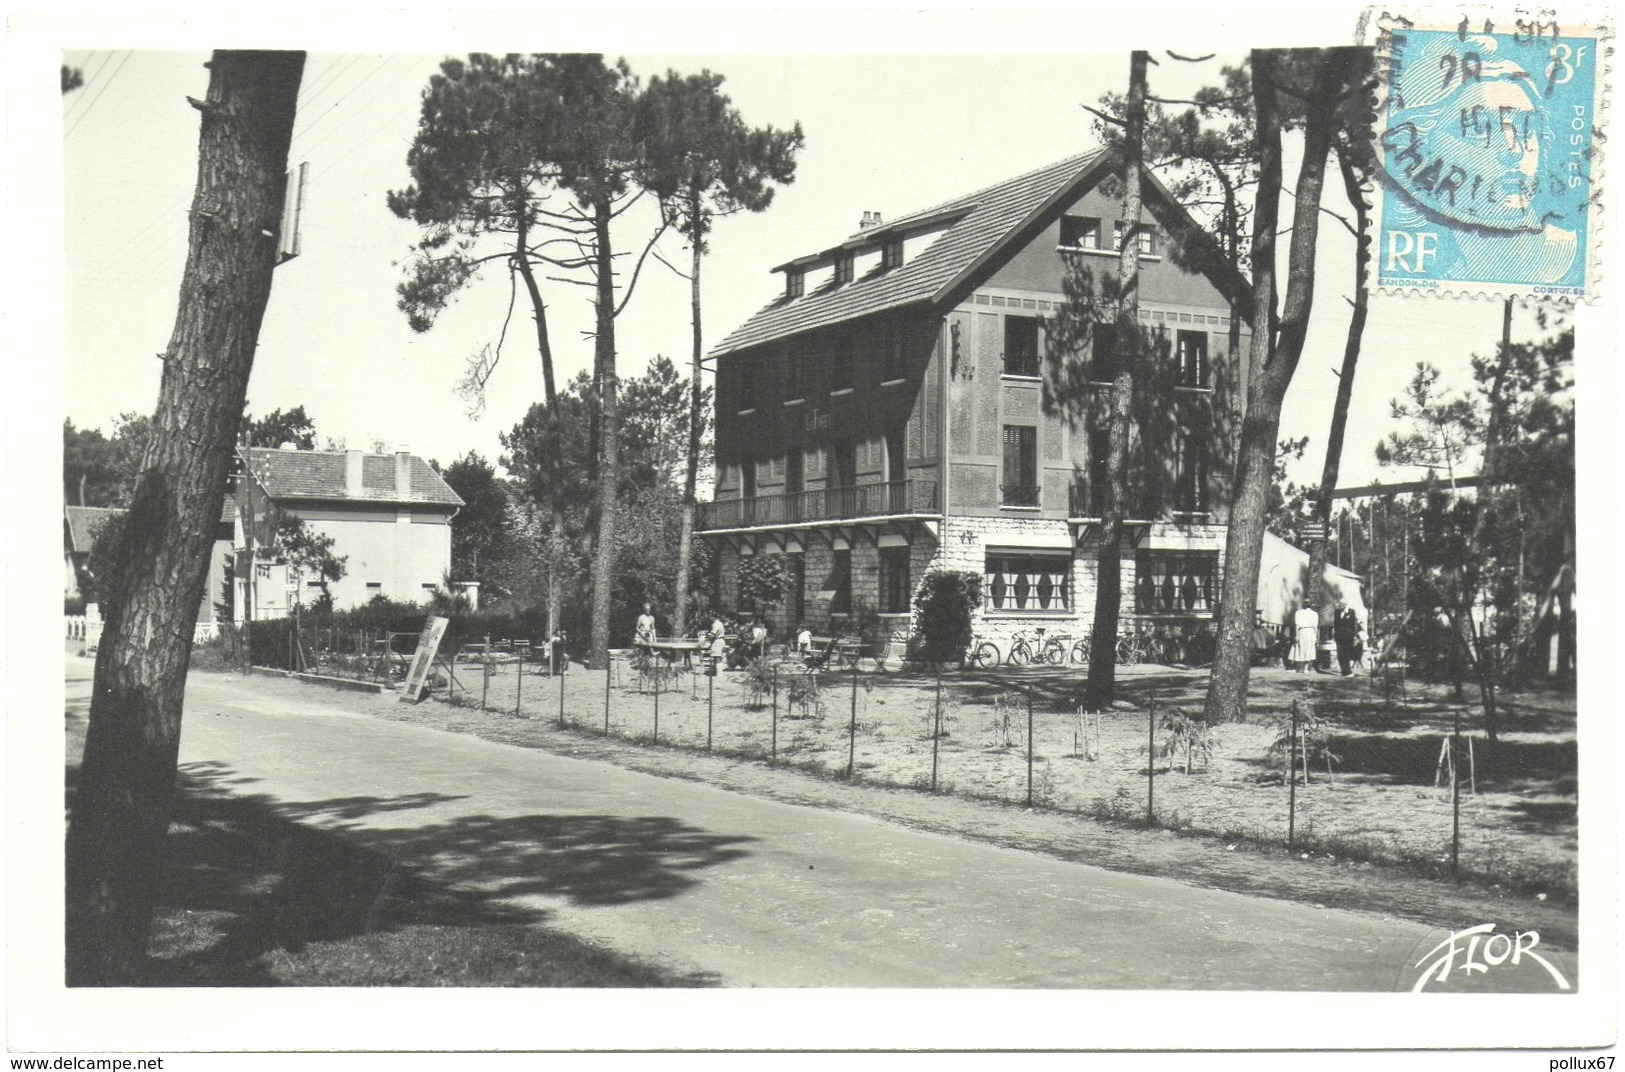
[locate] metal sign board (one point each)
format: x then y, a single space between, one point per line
293 207
1313 531
428 644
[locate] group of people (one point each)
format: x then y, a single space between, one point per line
1346 630
727 646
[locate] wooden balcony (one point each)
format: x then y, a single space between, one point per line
896 498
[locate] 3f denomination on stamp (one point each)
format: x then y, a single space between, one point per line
1488 135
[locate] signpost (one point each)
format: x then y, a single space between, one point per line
428 644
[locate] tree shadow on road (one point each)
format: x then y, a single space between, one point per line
587 859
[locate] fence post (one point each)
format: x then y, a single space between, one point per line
609 662
1151 762
710 705
1292 781
773 756
852 726
519 680
485 669
936 730
1455 799
657 704
561 695
1029 748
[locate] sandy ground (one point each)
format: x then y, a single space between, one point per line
1384 798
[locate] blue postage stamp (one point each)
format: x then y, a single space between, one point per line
1488 139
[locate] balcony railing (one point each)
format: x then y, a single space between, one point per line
1018 495
822 504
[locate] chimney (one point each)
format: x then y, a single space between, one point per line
352 473
403 472
870 221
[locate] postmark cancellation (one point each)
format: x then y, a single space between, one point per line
1488 134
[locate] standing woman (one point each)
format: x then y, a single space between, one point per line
1305 636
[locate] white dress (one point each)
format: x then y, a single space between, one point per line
1306 631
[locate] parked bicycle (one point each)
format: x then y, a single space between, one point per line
981 654
1140 645
1024 649
1055 647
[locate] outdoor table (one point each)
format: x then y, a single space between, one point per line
669 650
849 652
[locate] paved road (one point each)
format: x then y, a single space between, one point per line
758 892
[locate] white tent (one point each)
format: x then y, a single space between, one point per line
1283 575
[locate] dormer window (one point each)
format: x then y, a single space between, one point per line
891 254
843 269
1146 238
1080 232
795 283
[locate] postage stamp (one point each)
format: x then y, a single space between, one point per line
1488 136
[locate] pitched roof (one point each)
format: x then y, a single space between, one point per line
987 222
319 475
83 524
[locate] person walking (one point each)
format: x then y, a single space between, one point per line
1306 634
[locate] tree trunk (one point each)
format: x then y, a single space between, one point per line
603 563
1482 650
685 539
121 803
1277 345
1345 378
544 347
1102 683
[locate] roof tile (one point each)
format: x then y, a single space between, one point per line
991 215
319 475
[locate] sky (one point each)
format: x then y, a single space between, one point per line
885 132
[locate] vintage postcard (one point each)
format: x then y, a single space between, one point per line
950 529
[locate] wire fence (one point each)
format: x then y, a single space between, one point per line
1344 783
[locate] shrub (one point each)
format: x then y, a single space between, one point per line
763 582
1182 733
942 613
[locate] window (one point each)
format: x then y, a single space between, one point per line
841 364
1080 232
1145 238
1105 358
747 473
894 586
839 584
1190 474
795 604
891 254
843 269
1100 446
1021 346
749 379
1020 487
1175 582
1192 354
894 360
795 373
1028 582
795 283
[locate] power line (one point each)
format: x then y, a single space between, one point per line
74 105
110 79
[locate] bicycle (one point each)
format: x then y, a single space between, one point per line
981 654
1055 648
1022 650
1131 648
1080 651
